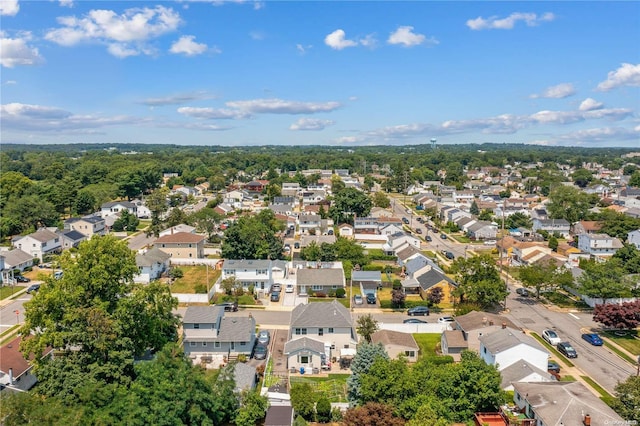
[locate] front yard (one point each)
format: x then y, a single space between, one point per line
8 290
194 276
628 339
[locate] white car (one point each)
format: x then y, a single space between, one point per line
288 288
551 337
445 320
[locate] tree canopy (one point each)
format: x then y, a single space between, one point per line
478 281
254 237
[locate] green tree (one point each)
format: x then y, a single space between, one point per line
366 325
32 212
634 180
126 222
361 363
478 281
253 408
311 252
569 203
474 210
157 203
348 203
176 216
486 215
228 284
380 199
323 410
206 220
85 202
553 243
628 399
518 220
629 257
303 399
603 280
582 177
254 238
544 276
370 414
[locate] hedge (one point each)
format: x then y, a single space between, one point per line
387 304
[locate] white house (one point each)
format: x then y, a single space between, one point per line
261 273
398 241
561 226
308 223
507 346
15 370
113 207
598 244
39 243
151 265
633 237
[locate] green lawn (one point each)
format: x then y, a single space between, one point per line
563 300
193 276
427 342
630 340
6 291
334 387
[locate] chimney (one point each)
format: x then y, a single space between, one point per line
587 420
504 325
11 383
490 322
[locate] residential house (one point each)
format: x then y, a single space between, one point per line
586 227
307 355
452 343
151 265
573 404
307 240
38 244
329 323
367 281
463 198
234 198
470 327
346 230
397 344
384 222
561 226
202 188
289 201
313 197
426 280
113 207
379 212
482 230
407 254
16 259
15 371
391 229
207 332
398 241
225 209
290 189
506 347
633 237
523 371
599 245
309 223
71 239
142 211
86 225
320 280
256 186
365 225
259 273
182 245
178 228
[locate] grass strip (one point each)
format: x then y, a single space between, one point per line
8 334
552 349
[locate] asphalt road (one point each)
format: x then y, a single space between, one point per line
598 362
8 316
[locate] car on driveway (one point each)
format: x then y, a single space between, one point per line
264 337
357 299
371 298
21 279
553 367
414 321
445 320
418 231
567 350
33 288
275 296
449 255
418 311
551 337
522 292
260 352
593 338
288 288
276 288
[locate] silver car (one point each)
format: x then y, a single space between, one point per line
263 337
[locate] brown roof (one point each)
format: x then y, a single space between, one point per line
591 225
11 357
180 237
476 319
389 337
455 339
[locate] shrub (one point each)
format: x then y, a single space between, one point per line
373 268
323 410
200 289
332 293
340 293
242 358
320 294
176 273
397 284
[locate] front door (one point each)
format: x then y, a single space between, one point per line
233 346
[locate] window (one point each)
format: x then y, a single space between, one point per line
334 287
190 254
192 344
204 343
216 344
484 350
304 331
304 359
243 343
190 245
346 346
261 272
229 271
316 287
321 332
298 332
410 354
330 330
196 326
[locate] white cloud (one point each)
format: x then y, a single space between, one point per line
626 75
66 3
280 106
599 135
303 49
257 35
500 124
186 45
195 126
406 37
369 41
16 51
590 104
556 117
10 82
211 113
125 34
9 7
336 40
311 124
175 99
559 91
495 23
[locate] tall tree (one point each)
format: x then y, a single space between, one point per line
362 362
628 399
624 316
85 202
254 238
569 203
604 280
157 203
380 199
366 325
479 281
544 276
348 203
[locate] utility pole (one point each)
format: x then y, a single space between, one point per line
406 178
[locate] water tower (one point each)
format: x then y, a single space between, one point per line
433 143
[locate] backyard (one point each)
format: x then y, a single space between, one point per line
334 387
428 343
194 276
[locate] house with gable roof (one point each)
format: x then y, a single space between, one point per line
88 225
320 279
151 265
428 278
467 330
182 245
261 273
113 207
39 243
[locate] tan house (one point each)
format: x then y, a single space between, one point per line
182 245
397 344
469 328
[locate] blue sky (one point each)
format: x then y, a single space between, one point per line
320 73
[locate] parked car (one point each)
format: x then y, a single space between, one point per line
449 255
357 299
58 274
33 288
296 245
490 242
288 288
275 296
414 321
263 337
551 337
405 220
445 320
428 238
276 288
553 367
593 338
443 236
567 350
371 298
260 352
522 292
418 310
229 306
418 231
21 279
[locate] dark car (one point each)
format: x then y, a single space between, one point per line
522 292
428 238
21 279
418 310
229 306
33 288
418 231
449 255
567 350
553 367
405 220
414 321
443 236
275 296
260 352
371 298
593 338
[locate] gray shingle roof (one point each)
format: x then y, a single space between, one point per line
476 319
43 235
455 339
237 329
155 255
518 371
74 235
320 276
433 277
202 314
304 343
15 257
389 337
245 376
247 264
332 314
507 338
366 276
